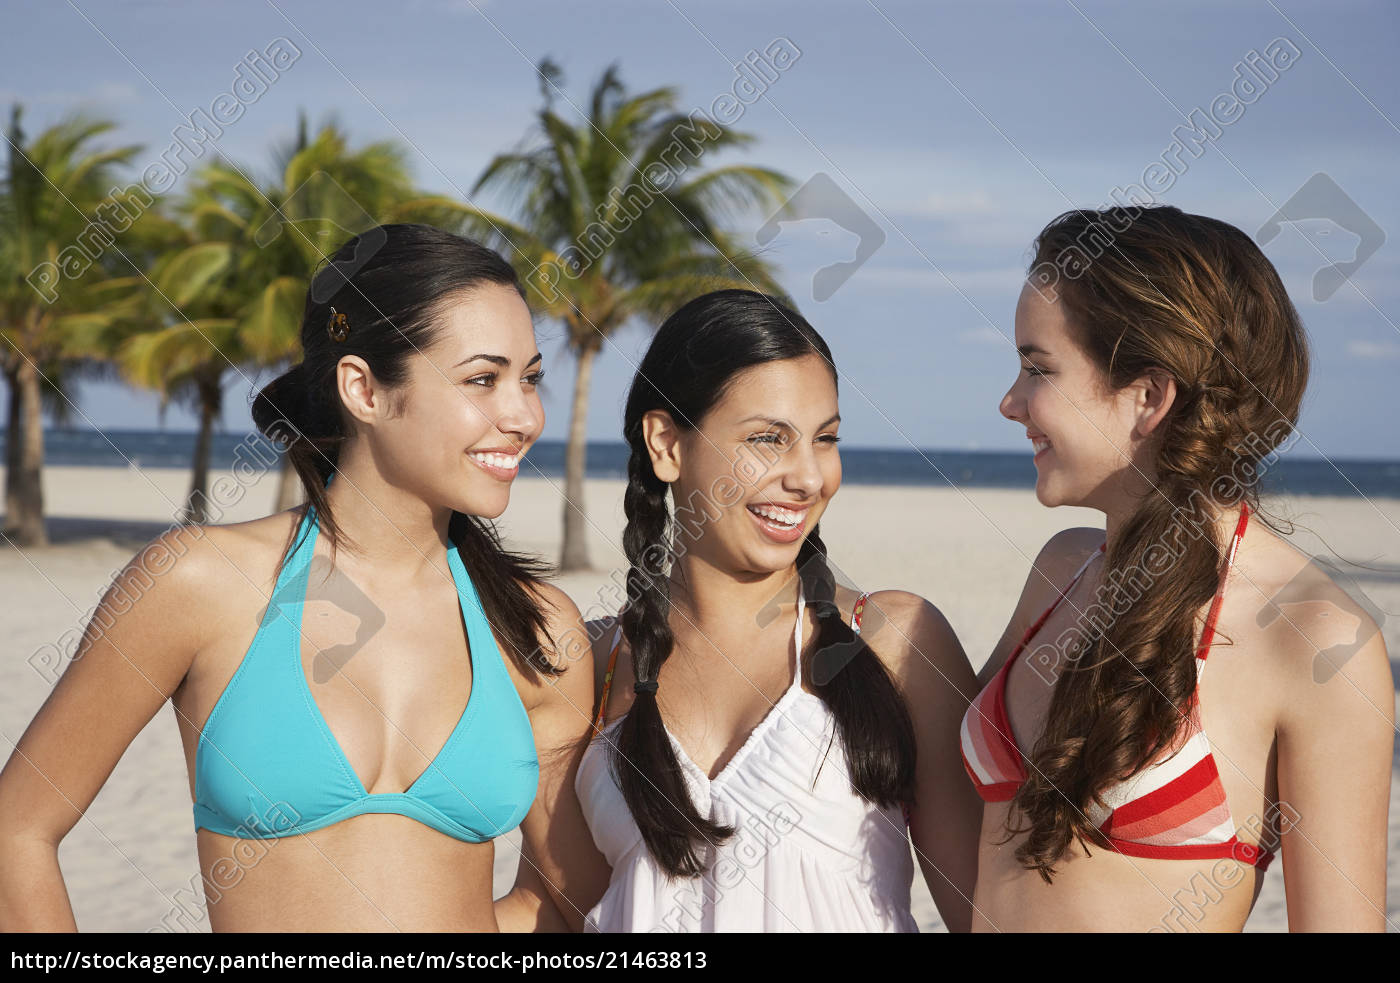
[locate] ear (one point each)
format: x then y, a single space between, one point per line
663 440
360 392
1154 396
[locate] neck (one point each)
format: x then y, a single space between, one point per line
1224 520
387 527
702 593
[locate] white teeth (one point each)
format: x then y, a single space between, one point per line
1039 445
783 517
506 461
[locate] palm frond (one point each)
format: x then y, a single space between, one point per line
182 277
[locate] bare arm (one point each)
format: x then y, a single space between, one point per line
529 907
134 654
561 873
1335 744
923 653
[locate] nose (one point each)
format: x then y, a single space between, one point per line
1012 405
520 414
803 477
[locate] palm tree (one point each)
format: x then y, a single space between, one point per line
52 189
599 240
186 361
230 294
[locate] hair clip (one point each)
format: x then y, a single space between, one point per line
337 326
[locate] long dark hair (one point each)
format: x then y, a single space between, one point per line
391 283
692 359
1194 297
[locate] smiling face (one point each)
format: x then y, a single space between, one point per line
763 463
1082 435
470 407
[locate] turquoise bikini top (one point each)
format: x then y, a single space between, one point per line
268 766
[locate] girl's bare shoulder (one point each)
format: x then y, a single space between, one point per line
216 568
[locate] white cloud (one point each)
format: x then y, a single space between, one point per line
451 6
1373 349
985 334
970 203
930 280
103 93
116 93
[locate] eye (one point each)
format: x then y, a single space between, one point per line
487 380
830 438
1031 370
766 438
535 379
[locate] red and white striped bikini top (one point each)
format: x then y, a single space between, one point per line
1174 808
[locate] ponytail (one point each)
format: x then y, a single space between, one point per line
387 309
1195 298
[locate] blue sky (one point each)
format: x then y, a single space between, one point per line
959 128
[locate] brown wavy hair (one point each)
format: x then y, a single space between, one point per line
1157 289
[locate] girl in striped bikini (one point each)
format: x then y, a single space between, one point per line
1126 787
768 742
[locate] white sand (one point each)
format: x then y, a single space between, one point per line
132 859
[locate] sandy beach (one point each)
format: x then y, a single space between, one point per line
131 860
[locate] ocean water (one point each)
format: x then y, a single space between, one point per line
860 465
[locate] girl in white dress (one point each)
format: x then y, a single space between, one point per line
758 765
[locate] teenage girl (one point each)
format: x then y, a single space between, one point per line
380 743
1176 699
769 742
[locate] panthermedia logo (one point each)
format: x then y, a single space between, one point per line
1351 620
821 198
1321 198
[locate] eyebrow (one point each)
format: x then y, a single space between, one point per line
1031 350
783 423
500 360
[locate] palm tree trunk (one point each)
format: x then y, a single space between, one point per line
575 552
210 405
26 514
13 437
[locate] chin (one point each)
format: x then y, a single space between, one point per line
759 559
495 509
1048 495
785 555
484 506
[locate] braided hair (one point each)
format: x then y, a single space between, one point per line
1194 297
694 356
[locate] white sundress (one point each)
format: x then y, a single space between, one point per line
808 854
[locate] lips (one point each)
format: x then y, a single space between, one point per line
779 514
780 523
500 463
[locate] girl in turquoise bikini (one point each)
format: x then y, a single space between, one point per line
383 767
